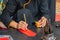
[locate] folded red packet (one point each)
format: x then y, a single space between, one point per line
4 38
3 28
27 32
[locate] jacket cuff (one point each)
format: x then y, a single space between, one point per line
6 21
47 16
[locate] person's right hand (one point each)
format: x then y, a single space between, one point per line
2 25
22 25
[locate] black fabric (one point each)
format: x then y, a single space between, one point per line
5 1
4 18
38 9
29 18
52 9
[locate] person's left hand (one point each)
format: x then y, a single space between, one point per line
43 21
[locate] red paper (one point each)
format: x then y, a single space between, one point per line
28 32
57 18
5 38
3 28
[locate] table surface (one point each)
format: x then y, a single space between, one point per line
19 36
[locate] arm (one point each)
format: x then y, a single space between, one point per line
43 8
43 11
6 16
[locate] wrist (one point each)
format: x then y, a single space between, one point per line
13 24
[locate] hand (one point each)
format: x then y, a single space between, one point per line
2 25
22 25
43 21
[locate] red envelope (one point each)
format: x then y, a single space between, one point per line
27 32
57 18
5 38
3 28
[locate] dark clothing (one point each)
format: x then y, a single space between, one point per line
33 11
38 8
52 8
29 18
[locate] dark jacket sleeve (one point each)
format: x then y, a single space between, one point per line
43 8
6 16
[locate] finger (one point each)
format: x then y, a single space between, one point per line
43 22
20 25
23 26
24 23
40 20
26 26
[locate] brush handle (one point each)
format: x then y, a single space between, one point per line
24 17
